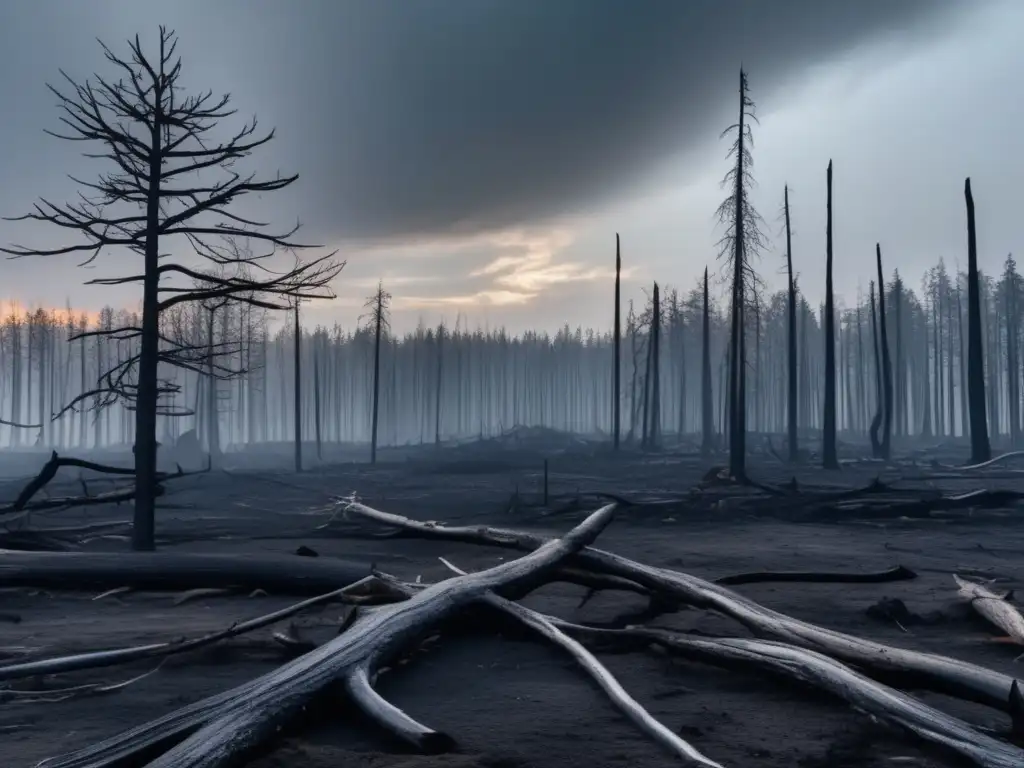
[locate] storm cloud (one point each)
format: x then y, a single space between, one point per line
413 117
464 115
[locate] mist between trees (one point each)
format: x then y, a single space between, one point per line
457 382
201 355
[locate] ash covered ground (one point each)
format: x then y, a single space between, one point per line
506 699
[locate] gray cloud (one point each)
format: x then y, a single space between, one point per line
449 115
406 118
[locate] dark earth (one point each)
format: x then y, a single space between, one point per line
509 701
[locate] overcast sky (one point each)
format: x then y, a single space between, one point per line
480 155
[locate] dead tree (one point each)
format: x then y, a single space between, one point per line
741 243
379 319
616 372
654 433
437 391
791 385
297 373
980 448
155 137
707 396
876 421
829 459
886 442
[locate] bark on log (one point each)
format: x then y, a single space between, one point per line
97 659
546 628
175 571
220 730
823 673
956 678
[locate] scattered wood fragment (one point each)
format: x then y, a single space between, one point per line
996 609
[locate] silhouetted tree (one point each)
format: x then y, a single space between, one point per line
741 243
829 459
980 449
154 137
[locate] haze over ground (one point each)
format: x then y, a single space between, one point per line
479 155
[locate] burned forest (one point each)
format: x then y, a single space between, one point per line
734 525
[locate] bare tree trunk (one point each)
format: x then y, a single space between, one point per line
829 459
980 449
654 434
617 351
316 397
376 377
706 394
886 365
298 388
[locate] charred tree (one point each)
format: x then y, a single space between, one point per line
791 374
829 459
707 414
617 351
154 135
980 449
742 242
379 320
886 441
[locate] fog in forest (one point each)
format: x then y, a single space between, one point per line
368 346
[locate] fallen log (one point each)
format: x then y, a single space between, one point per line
218 731
359 592
897 573
547 629
825 674
176 571
924 670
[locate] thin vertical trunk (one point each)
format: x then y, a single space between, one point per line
886 365
980 449
379 319
706 394
829 458
298 388
617 351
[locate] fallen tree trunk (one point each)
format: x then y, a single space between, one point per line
361 592
897 573
175 571
220 730
823 673
545 627
925 670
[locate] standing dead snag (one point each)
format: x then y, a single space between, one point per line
741 243
616 369
156 137
829 459
791 387
980 449
379 320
